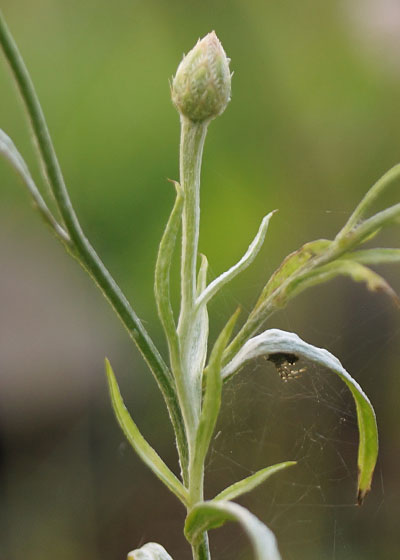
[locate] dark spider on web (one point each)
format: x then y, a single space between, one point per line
284 365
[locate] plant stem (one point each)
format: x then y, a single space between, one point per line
191 151
201 551
189 391
80 247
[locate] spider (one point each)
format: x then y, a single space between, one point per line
283 363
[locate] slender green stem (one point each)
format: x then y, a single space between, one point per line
201 551
191 151
82 249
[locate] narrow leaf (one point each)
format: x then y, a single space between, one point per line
202 275
162 274
275 341
149 551
354 270
210 515
139 444
374 192
292 264
375 256
252 481
12 155
212 395
244 262
194 351
367 229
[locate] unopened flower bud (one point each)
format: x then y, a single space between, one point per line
201 88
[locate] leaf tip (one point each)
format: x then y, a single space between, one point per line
361 495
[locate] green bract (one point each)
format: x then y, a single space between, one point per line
191 379
201 88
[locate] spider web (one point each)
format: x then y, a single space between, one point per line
309 417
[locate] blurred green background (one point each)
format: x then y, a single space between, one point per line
314 120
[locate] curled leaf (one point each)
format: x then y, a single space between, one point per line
210 515
275 341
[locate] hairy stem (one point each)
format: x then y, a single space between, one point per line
81 249
191 151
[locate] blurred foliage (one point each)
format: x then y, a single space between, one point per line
313 122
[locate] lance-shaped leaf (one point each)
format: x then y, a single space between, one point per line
194 354
250 482
210 515
162 271
244 262
139 444
212 397
292 264
344 267
275 341
12 155
149 551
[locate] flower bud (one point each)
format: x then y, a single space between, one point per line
201 88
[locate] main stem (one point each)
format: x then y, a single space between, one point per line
191 152
80 247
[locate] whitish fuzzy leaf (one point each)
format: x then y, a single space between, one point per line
150 551
12 155
139 444
210 515
163 265
244 262
252 481
275 341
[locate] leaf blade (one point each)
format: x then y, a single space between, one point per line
211 515
9 151
249 483
251 253
148 455
276 341
212 396
162 269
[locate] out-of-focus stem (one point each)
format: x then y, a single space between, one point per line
82 249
